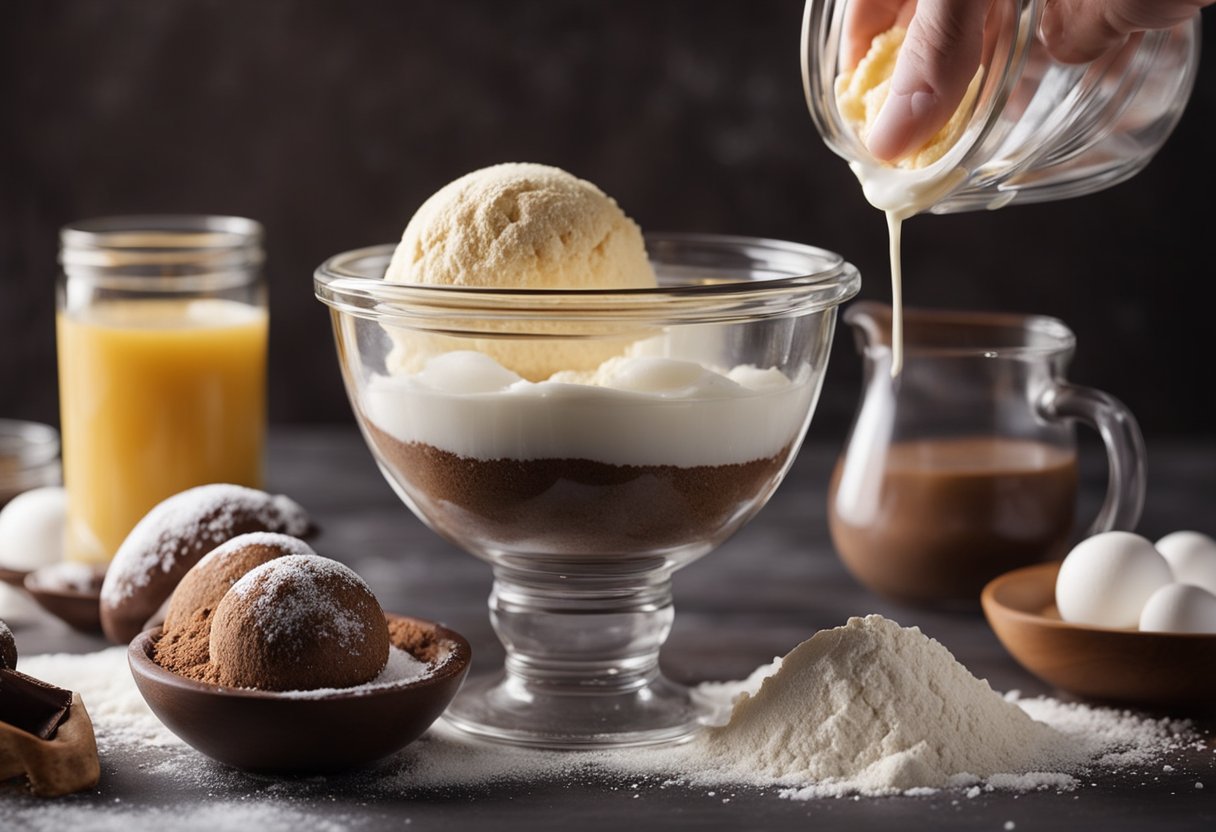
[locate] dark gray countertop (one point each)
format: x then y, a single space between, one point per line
767 589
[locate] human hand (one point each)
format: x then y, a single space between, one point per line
945 44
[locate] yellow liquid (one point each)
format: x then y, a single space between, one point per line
156 396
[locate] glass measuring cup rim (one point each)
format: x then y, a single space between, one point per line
708 278
1035 128
941 332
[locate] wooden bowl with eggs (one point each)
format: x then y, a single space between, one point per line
1125 667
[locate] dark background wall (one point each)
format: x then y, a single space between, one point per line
330 121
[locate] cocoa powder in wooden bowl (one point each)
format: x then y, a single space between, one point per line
311 731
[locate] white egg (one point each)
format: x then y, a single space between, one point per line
1106 579
1192 558
32 527
1179 608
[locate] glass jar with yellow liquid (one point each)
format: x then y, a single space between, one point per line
162 330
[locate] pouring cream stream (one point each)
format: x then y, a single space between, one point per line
914 183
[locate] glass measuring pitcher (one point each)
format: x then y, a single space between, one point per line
965 465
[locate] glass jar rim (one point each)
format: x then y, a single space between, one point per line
34 443
171 231
793 278
198 242
33 447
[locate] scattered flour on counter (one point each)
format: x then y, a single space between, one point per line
114 704
262 815
866 709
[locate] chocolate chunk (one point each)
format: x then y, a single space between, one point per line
8 647
32 705
65 762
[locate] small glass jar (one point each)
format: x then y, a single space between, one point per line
29 457
162 338
1038 129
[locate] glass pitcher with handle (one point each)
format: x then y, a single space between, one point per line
965 465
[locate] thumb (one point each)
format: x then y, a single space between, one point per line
939 56
1077 31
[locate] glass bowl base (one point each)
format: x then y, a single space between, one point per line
508 710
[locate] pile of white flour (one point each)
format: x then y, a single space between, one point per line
876 708
873 708
869 708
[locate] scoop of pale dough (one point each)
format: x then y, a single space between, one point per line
520 226
861 92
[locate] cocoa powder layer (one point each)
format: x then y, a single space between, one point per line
417 640
183 649
579 506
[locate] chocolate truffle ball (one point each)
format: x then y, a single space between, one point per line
8 647
298 622
201 588
174 536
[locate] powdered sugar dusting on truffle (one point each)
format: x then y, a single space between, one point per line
275 540
296 591
205 512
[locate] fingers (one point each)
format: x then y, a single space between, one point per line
940 54
1077 31
866 19
945 42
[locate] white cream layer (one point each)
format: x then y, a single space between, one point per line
635 410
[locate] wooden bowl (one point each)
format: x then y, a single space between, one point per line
278 733
1114 666
13 577
77 604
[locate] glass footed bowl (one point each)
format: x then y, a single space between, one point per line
673 416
